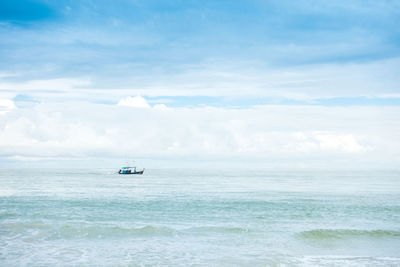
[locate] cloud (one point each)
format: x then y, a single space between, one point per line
266 133
6 105
250 80
6 74
305 49
326 141
136 102
160 107
61 84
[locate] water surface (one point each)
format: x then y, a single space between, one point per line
196 217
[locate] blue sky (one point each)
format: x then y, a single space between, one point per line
130 44
218 69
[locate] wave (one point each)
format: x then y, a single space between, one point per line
77 231
40 230
331 234
7 215
219 229
113 231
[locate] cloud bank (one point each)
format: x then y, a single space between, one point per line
263 133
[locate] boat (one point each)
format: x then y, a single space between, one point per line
130 170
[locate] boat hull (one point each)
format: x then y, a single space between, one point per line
139 172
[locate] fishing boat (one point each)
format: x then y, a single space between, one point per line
130 170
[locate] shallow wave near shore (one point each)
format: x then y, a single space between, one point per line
188 217
39 231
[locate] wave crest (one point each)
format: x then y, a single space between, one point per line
331 234
217 229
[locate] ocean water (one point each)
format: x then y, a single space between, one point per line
183 217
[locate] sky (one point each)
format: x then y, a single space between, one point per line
308 84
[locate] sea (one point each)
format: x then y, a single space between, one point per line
198 217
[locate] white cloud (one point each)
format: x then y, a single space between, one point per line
6 105
62 84
160 107
7 74
325 142
265 133
136 102
341 142
239 79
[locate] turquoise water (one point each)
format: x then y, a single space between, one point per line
204 218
